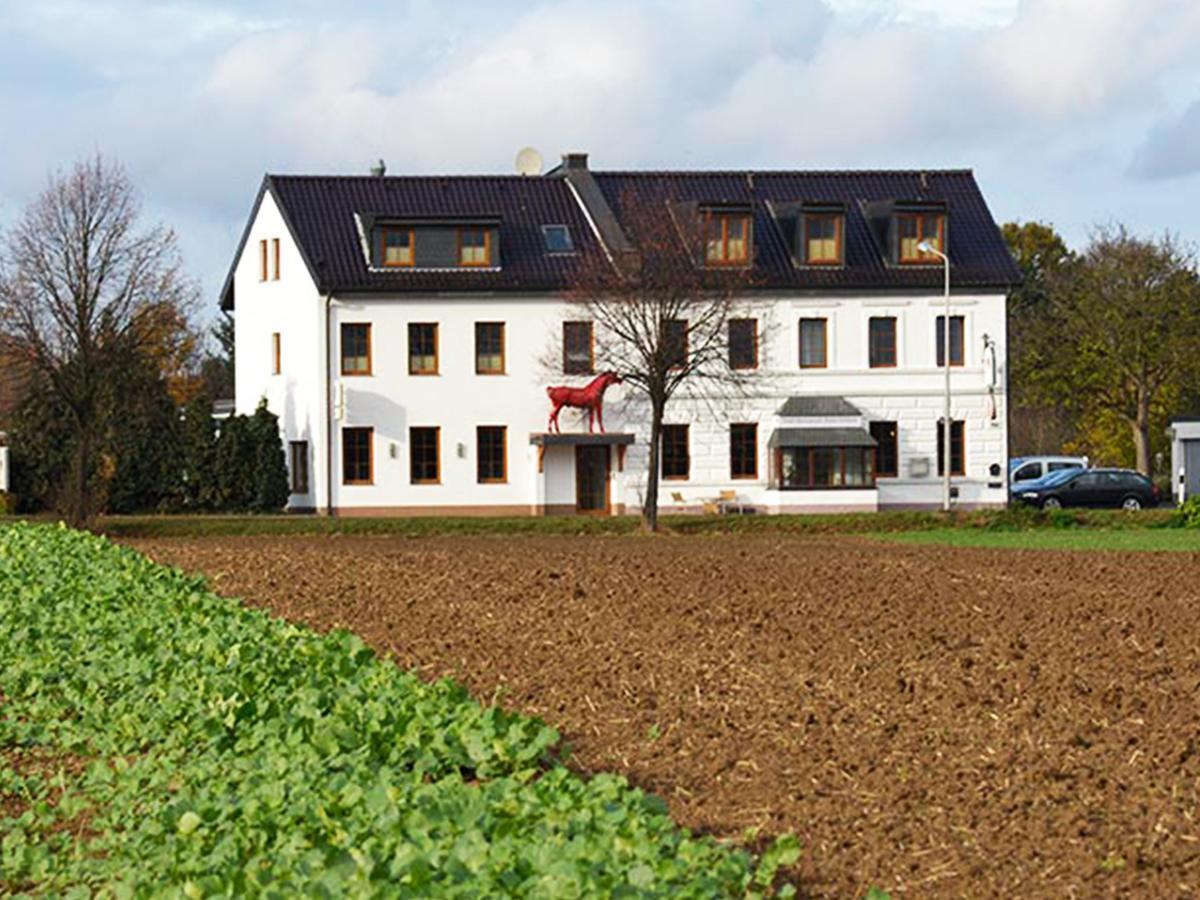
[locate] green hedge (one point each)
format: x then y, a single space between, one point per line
226 753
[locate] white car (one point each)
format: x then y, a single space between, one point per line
1031 468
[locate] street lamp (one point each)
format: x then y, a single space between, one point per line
927 246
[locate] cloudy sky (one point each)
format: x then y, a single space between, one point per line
1074 112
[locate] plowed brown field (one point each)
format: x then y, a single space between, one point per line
939 722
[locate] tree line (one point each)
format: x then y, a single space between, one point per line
1104 344
107 381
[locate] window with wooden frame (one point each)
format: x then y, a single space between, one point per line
675 342
726 238
887 453
474 247
579 349
275 259
424 455
881 338
817 468
676 459
262 260
489 348
916 227
814 343
298 466
958 450
276 353
743 450
823 239
743 343
397 246
491 452
356 348
957 343
358 462
422 348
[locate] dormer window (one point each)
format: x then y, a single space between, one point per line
474 247
396 246
726 238
558 239
916 227
823 239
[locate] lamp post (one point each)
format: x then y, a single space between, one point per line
926 246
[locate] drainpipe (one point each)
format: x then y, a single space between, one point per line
328 411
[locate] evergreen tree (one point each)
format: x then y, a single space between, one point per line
236 461
271 474
199 489
143 442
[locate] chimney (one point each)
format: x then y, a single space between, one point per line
379 169
575 161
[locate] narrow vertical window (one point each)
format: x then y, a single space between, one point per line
489 348
579 350
491 449
396 247
743 450
958 454
358 455
275 258
474 247
298 466
956 341
262 260
814 344
276 353
743 343
675 342
422 348
822 240
676 459
356 348
424 452
887 457
882 342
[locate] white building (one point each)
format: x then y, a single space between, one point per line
405 329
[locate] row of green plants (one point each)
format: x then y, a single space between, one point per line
155 456
227 753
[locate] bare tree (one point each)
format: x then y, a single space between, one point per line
662 316
80 281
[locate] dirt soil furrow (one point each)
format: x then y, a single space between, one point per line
939 722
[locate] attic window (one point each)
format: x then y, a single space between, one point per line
823 239
474 247
726 238
558 239
917 227
396 246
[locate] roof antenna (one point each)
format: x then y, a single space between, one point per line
379 168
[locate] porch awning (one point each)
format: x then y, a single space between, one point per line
821 437
552 439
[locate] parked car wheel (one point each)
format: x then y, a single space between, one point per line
1131 504
1051 503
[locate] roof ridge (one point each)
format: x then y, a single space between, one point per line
768 172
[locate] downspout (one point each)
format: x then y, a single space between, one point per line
328 411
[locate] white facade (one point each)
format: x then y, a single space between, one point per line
311 396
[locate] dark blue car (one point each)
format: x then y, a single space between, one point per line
1096 488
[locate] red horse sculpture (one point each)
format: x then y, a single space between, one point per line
590 397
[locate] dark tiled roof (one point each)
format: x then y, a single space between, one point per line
321 210
828 405
978 254
821 437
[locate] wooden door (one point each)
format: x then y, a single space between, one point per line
591 480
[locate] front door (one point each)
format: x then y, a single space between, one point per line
591 480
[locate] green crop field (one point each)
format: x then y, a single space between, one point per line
183 744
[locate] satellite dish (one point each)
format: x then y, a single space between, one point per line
529 162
